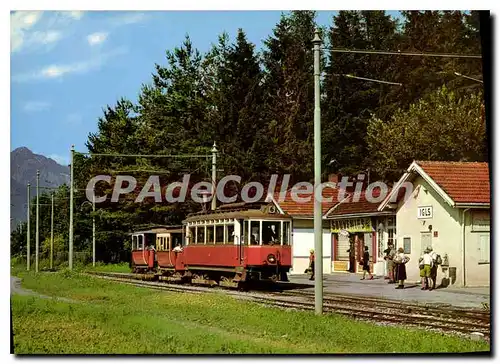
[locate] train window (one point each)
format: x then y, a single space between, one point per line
244 237
200 237
271 232
134 242
140 242
210 234
219 234
189 236
176 240
254 232
229 234
286 232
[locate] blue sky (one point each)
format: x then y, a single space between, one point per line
67 66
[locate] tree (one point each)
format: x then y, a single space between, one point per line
441 127
349 103
289 95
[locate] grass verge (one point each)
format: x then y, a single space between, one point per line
110 318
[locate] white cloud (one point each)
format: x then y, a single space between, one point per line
58 70
127 18
20 23
33 29
76 14
61 159
34 106
97 38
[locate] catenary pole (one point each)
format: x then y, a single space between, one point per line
93 230
37 234
28 257
318 225
214 177
52 232
70 257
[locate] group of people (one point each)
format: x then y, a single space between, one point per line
396 261
396 265
428 265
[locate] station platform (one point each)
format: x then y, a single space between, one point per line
351 284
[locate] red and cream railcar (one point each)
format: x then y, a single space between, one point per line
238 243
235 243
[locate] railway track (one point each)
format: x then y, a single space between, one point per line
450 320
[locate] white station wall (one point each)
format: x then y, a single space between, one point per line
302 243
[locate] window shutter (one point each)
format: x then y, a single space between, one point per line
484 247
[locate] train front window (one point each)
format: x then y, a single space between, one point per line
254 232
134 242
286 232
271 232
176 239
140 242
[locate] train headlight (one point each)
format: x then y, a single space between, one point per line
271 258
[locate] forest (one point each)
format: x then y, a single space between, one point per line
257 105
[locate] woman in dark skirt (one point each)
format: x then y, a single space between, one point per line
401 259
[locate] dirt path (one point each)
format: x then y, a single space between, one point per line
15 288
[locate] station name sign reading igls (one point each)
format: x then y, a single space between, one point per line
424 212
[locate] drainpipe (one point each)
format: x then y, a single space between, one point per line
463 246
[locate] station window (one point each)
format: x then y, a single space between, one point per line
271 232
229 234
219 234
286 232
254 232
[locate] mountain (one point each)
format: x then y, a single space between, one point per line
23 166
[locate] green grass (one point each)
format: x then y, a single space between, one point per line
101 267
121 319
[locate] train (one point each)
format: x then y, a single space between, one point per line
232 245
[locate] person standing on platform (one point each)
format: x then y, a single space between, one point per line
425 265
366 263
436 261
390 253
401 259
311 263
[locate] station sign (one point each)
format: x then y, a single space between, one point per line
424 212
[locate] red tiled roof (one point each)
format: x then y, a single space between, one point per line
361 206
464 182
306 209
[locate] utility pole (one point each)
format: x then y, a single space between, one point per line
214 177
28 233
70 257
318 224
93 230
52 233
37 236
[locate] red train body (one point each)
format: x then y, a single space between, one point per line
234 244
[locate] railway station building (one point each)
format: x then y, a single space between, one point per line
449 211
346 223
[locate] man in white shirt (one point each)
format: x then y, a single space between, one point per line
425 265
